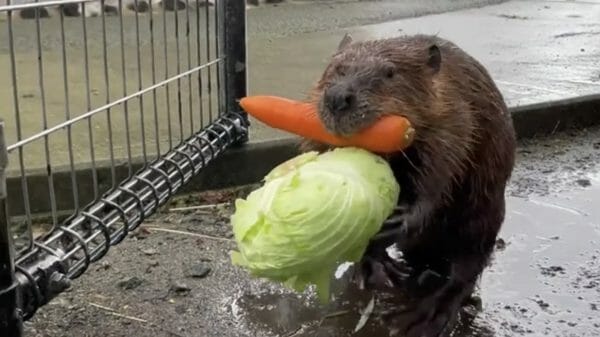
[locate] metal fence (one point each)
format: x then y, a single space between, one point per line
105 118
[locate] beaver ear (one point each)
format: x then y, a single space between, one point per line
434 60
346 41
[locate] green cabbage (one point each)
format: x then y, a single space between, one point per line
313 212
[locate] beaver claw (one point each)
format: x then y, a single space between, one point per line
382 272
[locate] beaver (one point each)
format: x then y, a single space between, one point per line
453 176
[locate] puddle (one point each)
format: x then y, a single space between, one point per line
545 281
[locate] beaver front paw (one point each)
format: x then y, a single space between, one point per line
383 264
386 269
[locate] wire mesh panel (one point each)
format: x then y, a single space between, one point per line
107 113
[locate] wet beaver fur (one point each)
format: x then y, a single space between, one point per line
453 177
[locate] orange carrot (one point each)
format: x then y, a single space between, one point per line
389 134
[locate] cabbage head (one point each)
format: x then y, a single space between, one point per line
313 212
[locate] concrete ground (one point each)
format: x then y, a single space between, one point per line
536 50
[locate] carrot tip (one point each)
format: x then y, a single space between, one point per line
409 135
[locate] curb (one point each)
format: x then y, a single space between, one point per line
546 118
249 163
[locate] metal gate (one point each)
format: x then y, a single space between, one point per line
97 150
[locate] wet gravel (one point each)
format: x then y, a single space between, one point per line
564 162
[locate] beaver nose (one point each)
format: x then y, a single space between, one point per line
339 99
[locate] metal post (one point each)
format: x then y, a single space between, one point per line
232 49
11 323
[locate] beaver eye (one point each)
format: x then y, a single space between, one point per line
389 73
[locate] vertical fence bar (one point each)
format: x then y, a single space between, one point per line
11 323
232 50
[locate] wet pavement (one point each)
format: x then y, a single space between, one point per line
535 50
544 279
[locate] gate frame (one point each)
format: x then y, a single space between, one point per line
232 74
11 319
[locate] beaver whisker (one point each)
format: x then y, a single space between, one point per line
409 161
